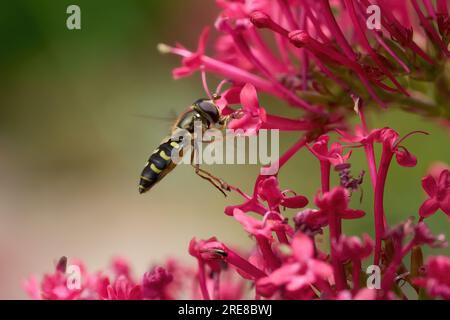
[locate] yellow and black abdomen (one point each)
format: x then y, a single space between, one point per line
158 165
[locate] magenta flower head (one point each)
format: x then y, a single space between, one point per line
353 248
336 202
333 154
269 191
294 278
155 282
123 289
391 143
436 279
438 190
252 115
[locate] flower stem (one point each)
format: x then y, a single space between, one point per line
202 280
338 268
379 216
356 274
325 175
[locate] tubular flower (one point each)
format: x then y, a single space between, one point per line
438 191
436 280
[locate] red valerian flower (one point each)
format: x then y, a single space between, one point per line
295 277
333 154
267 189
437 277
336 201
390 140
123 289
362 294
353 248
54 285
438 190
155 282
262 228
252 114
192 62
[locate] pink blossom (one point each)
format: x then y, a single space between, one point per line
123 289
252 114
295 277
438 191
192 62
155 283
333 154
336 201
353 248
437 277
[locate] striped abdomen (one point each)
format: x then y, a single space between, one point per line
158 165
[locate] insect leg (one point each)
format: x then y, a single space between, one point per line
219 184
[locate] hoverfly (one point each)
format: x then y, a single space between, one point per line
160 163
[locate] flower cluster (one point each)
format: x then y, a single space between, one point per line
320 58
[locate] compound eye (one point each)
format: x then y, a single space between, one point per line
209 107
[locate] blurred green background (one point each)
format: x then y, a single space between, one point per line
72 147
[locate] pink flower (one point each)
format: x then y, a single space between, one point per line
336 201
391 142
437 277
253 116
267 189
438 190
272 222
55 286
334 154
192 62
310 221
296 277
121 267
123 289
362 294
353 248
154 284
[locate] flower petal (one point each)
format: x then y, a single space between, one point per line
249 99
302 246
429 185
405 159
429 207
294 202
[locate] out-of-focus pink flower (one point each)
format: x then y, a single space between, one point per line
362 294
310 221
424 236
437 277
353 248
438 191
121 267
154 284
54 285
295 278
123 289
